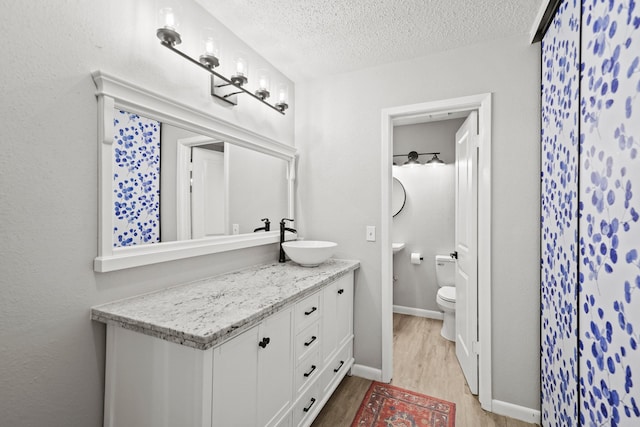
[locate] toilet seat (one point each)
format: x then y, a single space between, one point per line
447 293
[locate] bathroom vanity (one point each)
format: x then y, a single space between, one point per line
264 346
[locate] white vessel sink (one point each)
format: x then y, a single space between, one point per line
397 247
309 253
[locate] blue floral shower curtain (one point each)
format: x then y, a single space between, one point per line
590 233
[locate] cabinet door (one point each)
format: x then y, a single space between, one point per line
275 368
329 321
235 373
344 309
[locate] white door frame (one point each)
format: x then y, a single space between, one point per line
420 113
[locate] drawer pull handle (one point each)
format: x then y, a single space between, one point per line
338 368
313 368
340 291
313 400
264 342
308 343
306 313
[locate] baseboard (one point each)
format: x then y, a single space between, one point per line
429 314
515 411
366 372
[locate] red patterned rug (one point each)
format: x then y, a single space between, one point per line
387 406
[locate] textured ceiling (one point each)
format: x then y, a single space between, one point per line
309 38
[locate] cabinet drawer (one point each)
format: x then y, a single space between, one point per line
306 405
307 311
335 368
307 341
307 370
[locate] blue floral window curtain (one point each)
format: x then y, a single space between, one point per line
136 180
605 346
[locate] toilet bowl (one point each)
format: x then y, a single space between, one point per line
446 297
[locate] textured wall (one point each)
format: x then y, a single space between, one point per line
51 354
589 337
338 125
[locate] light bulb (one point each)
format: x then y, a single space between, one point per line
209 47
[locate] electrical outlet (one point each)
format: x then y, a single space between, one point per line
371 233
235 229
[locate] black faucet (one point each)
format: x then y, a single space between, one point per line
282 230
267 225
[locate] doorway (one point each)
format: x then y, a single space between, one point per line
419 113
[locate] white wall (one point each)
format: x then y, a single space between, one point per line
338 126
51 354
426 224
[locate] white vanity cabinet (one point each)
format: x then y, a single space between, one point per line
198 369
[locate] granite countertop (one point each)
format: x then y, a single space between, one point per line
206 312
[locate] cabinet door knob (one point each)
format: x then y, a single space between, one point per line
340 291
306 313
339 366
308 343
313 400
313 368
264 342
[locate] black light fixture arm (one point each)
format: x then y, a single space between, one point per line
419 154
227 81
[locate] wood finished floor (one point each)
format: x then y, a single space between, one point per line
424 362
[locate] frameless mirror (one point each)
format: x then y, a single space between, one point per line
399 197
176 183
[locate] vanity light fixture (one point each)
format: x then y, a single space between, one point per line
412 159
223 88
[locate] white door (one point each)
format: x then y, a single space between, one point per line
466 248
207 193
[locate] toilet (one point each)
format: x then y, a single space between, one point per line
446 298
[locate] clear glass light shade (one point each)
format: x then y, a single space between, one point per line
168 18
242 66
264 82
283 93
211 49
211 44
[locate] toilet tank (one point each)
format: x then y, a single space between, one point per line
445 270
